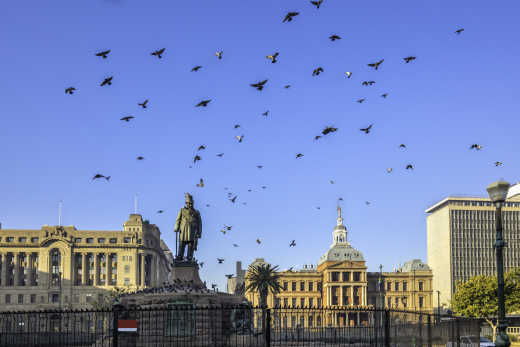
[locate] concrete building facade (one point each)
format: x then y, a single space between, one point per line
62 267
460 241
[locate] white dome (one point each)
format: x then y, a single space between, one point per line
342 252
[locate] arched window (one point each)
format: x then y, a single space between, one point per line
56 271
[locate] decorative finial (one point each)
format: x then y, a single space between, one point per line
340 219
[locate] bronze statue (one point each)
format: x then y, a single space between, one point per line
189 228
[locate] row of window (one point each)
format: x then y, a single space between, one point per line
397 286
52 298
404 302
345 276
295 302
24 239
310 286
482 203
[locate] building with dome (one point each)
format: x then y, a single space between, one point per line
340 280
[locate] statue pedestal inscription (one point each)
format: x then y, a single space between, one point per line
186 271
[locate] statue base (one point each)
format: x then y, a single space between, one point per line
186 271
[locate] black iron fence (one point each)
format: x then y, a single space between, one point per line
186 325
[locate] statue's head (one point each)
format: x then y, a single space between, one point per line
189 200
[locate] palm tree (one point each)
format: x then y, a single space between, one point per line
263 279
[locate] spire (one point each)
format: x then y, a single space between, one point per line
339 235
340 219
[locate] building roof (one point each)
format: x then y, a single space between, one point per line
415 265
513 195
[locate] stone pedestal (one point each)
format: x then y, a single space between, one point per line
186 271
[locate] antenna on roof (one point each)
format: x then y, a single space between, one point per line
135 204
60 203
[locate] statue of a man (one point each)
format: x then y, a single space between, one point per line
189 227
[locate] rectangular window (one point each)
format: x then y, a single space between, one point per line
88 298
396 286
311 285
388 286
20 298
127 281
302 286
293 302
90 240
76 298
334 276
42 299
293 286
55 297
357 276
7 298
420 286
389 302
33 298
311 321
318 302
101 240
35 239
285 302
319 287
311 302
127 269
396 302
346 276
302 302
9 239
285 285
126 239
405 286
22 239
421 301
77 239
113 240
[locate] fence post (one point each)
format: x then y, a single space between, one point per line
267 330
457 329
387 328
420 329
429 332
115 318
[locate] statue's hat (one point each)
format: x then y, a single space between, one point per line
188 197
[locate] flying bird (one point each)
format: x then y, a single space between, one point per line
317 137
70 90
409 167
328 130
289 16
299 155
367 129
389 170
293 243
498 163
103 54
402 145
273 57
409 59
201 183
160 211
317 71
140 158
259 240
476 146
259 85
265 113
201 147
233 199
287 86
219 54
458 31
361 100
127 118
235 245
220 155
260 166
384 95
96 176
239 138
368 83
331 181
158 53
367 203
317 207
203 103
334 37
236 126
196 158
229 276
196 68
317 3
107 80
201 264
348 73
263 187
220 260
143 104
376 64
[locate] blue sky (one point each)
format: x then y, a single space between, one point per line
461 89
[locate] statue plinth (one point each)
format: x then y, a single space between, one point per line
186 270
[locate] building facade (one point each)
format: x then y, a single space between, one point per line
341 281
62 267
460 241
236 283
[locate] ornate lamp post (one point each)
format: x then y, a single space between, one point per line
497 193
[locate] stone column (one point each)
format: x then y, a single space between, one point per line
153 270
108 269
96 269
352 294
16 268
84 268
143 256
341 295
3 279
30 269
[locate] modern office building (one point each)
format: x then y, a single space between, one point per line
62 267
460 238
341 280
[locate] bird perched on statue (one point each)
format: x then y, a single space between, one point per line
328 130
317 71
196 68
293 243
273 57
219 54
220 260
409 59
158 53
317 3
103 54
299 155
476 146
106 81
376 64
367 129
334 37
201 183
259 85
127 118
96 176
143 104
203 103
289 16
368 83
70 90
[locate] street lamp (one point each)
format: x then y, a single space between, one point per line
438 306
497 193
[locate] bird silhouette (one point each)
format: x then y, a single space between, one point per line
203 103
293 243
236 126
291 269
263 187
260 166
196 68
220 155
143 104
384 95
367 203
196 158
458 31
409 167
235 245
317 207
402 145
219 54
317 3
97 176
265 113
229 276
317 137
331 181
127 118
361 100
328 130
201 183
409 59
233 199
299 155
476 147
348 73
367 129
140 158
70 90
368 83
498 163
287 86
220 260
389 170
259 240
334 37
273 57
103 54
239 138
201 147
259 85
158 53
289 16
106 81
376 64
317 71
160 211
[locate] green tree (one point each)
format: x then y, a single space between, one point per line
263 278
478 297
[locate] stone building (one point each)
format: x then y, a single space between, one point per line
460 240
340 280
235 284
62 267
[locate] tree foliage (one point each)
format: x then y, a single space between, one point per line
263 278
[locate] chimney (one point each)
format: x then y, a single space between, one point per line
239 268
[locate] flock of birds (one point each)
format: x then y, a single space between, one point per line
259 86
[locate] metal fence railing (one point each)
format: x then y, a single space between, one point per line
237 326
